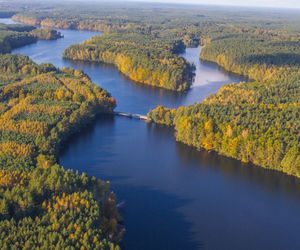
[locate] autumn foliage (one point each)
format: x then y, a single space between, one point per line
42 205
256 122
143 58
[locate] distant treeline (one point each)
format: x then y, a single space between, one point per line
16 35
42 205
243 120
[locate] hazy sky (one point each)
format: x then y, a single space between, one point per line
260 3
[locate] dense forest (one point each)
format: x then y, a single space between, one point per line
108 18
258 55
46 34
254 122
42 204
17 35
158 27
14 36
143 44
142 57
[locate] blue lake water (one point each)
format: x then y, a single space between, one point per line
173 196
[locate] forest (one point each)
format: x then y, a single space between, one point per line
255 122
43 205
14 36
138 40
41 106
46 34
143 58
17 35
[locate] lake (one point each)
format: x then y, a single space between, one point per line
173 196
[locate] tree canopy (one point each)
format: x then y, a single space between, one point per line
254 122
41 204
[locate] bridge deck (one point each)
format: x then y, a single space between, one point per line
133 116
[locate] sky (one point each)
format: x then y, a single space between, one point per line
254 3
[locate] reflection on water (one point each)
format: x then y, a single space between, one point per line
131 97
51 51
175 197
208 73
7 21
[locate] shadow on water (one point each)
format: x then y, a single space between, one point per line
175 197
235 78
179 198
91 67
131 96
269 180
152 218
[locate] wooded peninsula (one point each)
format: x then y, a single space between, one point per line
41 107
41 203
143 58
255 122
17 35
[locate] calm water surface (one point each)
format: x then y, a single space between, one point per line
7 21
174 196
131 96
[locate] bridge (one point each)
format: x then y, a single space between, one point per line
132 116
